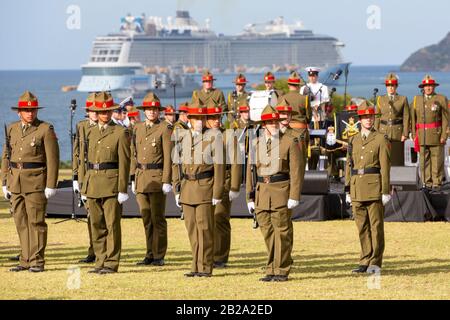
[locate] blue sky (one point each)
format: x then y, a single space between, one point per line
34 33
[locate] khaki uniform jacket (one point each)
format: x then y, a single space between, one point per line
374 152
151 145
37 144
194 192
78 163
392 111
207 97
232 106
301 109
436 110
275 195
113 145
233 169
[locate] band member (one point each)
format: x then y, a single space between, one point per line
233 176
201 184
237 97
269 83
394 120
151 177
30 163
106 182
80 148
277 190
208 93
318 94
429 117
367 187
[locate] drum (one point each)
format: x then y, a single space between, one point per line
259 100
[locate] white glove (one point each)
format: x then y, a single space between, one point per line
6 193
233 195
122 197
216 201
49 192
75 186
348 199
292 203
166 188
251 207
177 200
133 187
385 198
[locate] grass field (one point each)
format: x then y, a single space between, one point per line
416 265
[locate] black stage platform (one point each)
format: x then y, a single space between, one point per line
405 206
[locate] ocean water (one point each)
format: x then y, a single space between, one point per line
47 86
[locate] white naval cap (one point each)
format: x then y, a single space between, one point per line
312 70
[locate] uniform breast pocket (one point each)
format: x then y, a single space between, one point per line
107 153
36 148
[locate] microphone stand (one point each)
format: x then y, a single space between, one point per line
73 107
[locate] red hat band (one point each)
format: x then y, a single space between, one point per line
270 116
28 104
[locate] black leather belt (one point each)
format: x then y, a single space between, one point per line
275 178
27 165
147 166
392 122
365 171
199 176
103 166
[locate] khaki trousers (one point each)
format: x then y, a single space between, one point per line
29 216
152 207
278 232
199 221
106 231
369 218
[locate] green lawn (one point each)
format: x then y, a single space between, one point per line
416 266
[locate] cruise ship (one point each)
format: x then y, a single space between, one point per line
151 54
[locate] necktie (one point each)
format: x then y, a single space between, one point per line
24 128
391 97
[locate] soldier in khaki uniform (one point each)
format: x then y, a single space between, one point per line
30 163
394 121
429 118
79 164
106 182
269 84
169 115
208 94
183 121
134 116
233 176
285 113
301 111
237 97
277 163
202 184
367 180
151 177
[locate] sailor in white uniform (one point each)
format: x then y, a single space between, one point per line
318 94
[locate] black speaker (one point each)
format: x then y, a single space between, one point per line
315 182
404 178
